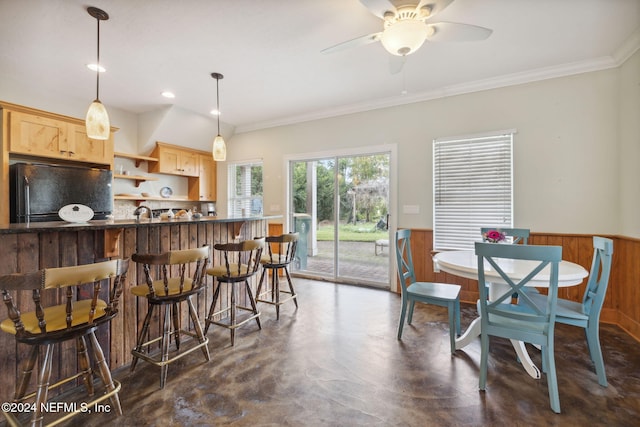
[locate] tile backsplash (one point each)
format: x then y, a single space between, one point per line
123 209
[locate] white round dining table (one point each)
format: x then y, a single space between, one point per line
464 263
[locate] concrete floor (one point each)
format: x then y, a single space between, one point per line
336 362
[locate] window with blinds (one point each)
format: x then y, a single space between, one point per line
473 188
245 188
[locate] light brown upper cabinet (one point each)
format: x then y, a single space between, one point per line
174 160
85 149
207 177
41 136
28 133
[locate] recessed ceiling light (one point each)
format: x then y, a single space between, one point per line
168 94
96 67
215 112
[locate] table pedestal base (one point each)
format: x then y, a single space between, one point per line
473 331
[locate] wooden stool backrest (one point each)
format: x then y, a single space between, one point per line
182 259
241 259
281 250
69 278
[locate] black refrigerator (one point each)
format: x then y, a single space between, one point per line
38 191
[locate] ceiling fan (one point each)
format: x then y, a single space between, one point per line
408 25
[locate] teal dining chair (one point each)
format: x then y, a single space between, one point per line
586 314
526 321
519 235
441 294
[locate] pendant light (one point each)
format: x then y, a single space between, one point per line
219 147
97 120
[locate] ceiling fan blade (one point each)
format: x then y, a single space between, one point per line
359 41
396 63
454 32
436 6
379 7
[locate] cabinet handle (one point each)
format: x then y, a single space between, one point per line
63 152
72 153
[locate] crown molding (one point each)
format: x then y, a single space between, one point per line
624 52
628 48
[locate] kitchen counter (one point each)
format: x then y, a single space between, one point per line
121 223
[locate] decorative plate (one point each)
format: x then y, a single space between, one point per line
166 192
76 213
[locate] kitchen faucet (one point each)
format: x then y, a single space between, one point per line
139 210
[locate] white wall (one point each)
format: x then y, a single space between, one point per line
630 147
576 151
566 149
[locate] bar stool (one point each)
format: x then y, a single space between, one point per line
76 319
171 286
241 262
273 261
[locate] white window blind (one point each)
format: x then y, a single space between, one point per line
245 188
473 188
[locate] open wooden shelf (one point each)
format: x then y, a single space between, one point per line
138 158
139 199
137 178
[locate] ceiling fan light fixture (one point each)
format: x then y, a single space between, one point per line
404 37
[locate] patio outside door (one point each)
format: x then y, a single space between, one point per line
340 207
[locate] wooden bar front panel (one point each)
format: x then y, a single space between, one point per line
30 251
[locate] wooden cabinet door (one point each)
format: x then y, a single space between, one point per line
207 180
175 162
189 164
85 149
169 161
37 136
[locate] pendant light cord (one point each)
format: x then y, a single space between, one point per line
98 65
218 102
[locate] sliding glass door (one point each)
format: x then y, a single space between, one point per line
340 206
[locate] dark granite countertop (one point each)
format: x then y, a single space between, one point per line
119 223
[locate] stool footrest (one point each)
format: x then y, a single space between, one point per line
155 357
282 301
238 323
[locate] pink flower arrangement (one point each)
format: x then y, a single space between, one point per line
493 236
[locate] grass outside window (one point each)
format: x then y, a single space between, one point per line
361 232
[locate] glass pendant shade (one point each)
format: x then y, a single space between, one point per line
219 149
97 121
404 37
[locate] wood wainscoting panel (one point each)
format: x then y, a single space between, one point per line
622 302
624 285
